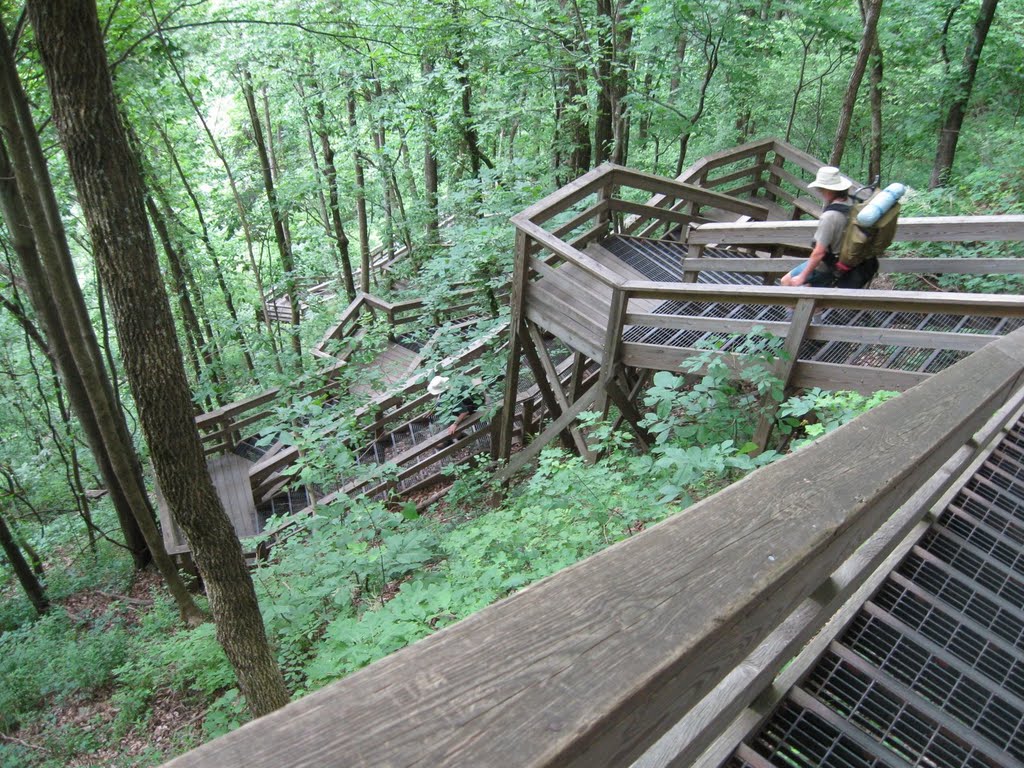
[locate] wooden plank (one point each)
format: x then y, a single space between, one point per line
806 373
984 304
653 212
783 369
567 252
731 155
230 475
579 339
652 183
524 456
895 337
239 406
797 157
566 197
554 380
946 229
551 676
888 265
743 173
796 181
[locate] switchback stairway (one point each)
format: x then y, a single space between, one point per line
635 287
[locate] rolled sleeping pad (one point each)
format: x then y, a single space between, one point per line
879 203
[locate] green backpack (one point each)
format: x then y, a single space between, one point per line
861 243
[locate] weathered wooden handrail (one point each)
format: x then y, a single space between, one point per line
894 264
998 305
591 666
911 229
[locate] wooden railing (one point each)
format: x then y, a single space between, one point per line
693 618
554 232
463 301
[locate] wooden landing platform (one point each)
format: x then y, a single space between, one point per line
861 340
572 301
230 474
392 367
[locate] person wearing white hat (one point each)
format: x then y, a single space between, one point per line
829 234
465 403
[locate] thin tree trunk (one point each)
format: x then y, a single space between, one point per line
603 133
29 583
711 48
321 199
111 192
875 157
429 158
872 10
283 247
229 302
364 234
949 134
195 341
239 203
33 222
335 224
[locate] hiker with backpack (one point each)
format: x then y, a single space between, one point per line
850 235
817 271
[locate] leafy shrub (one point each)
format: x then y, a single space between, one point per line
55 659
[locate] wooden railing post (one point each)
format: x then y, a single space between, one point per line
612 347
517 300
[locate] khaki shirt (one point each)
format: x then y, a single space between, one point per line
830 231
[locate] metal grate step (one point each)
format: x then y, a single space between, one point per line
930 672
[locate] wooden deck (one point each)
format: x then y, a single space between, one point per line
864 340
230 475
392 367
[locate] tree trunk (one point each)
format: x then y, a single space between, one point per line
34 224
334 222
872 10
364 234
236 195
33 589
111 193
433 236
229 302
875 156
711 48
283 246
603 133
949 134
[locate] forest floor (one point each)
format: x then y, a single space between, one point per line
172 723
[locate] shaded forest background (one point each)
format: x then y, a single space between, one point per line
282 144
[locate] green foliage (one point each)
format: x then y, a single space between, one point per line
56 660
816 412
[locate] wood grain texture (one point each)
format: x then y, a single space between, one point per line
911 229
589 666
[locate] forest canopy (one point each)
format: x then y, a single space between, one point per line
276 146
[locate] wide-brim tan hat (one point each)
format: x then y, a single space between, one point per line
437 385
829 178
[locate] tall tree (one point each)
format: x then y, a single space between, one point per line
872 9
111 194
284 247
33 222
949 133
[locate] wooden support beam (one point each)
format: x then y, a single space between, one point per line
629 412
783 369
517 303
521 459
549 373
531 345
